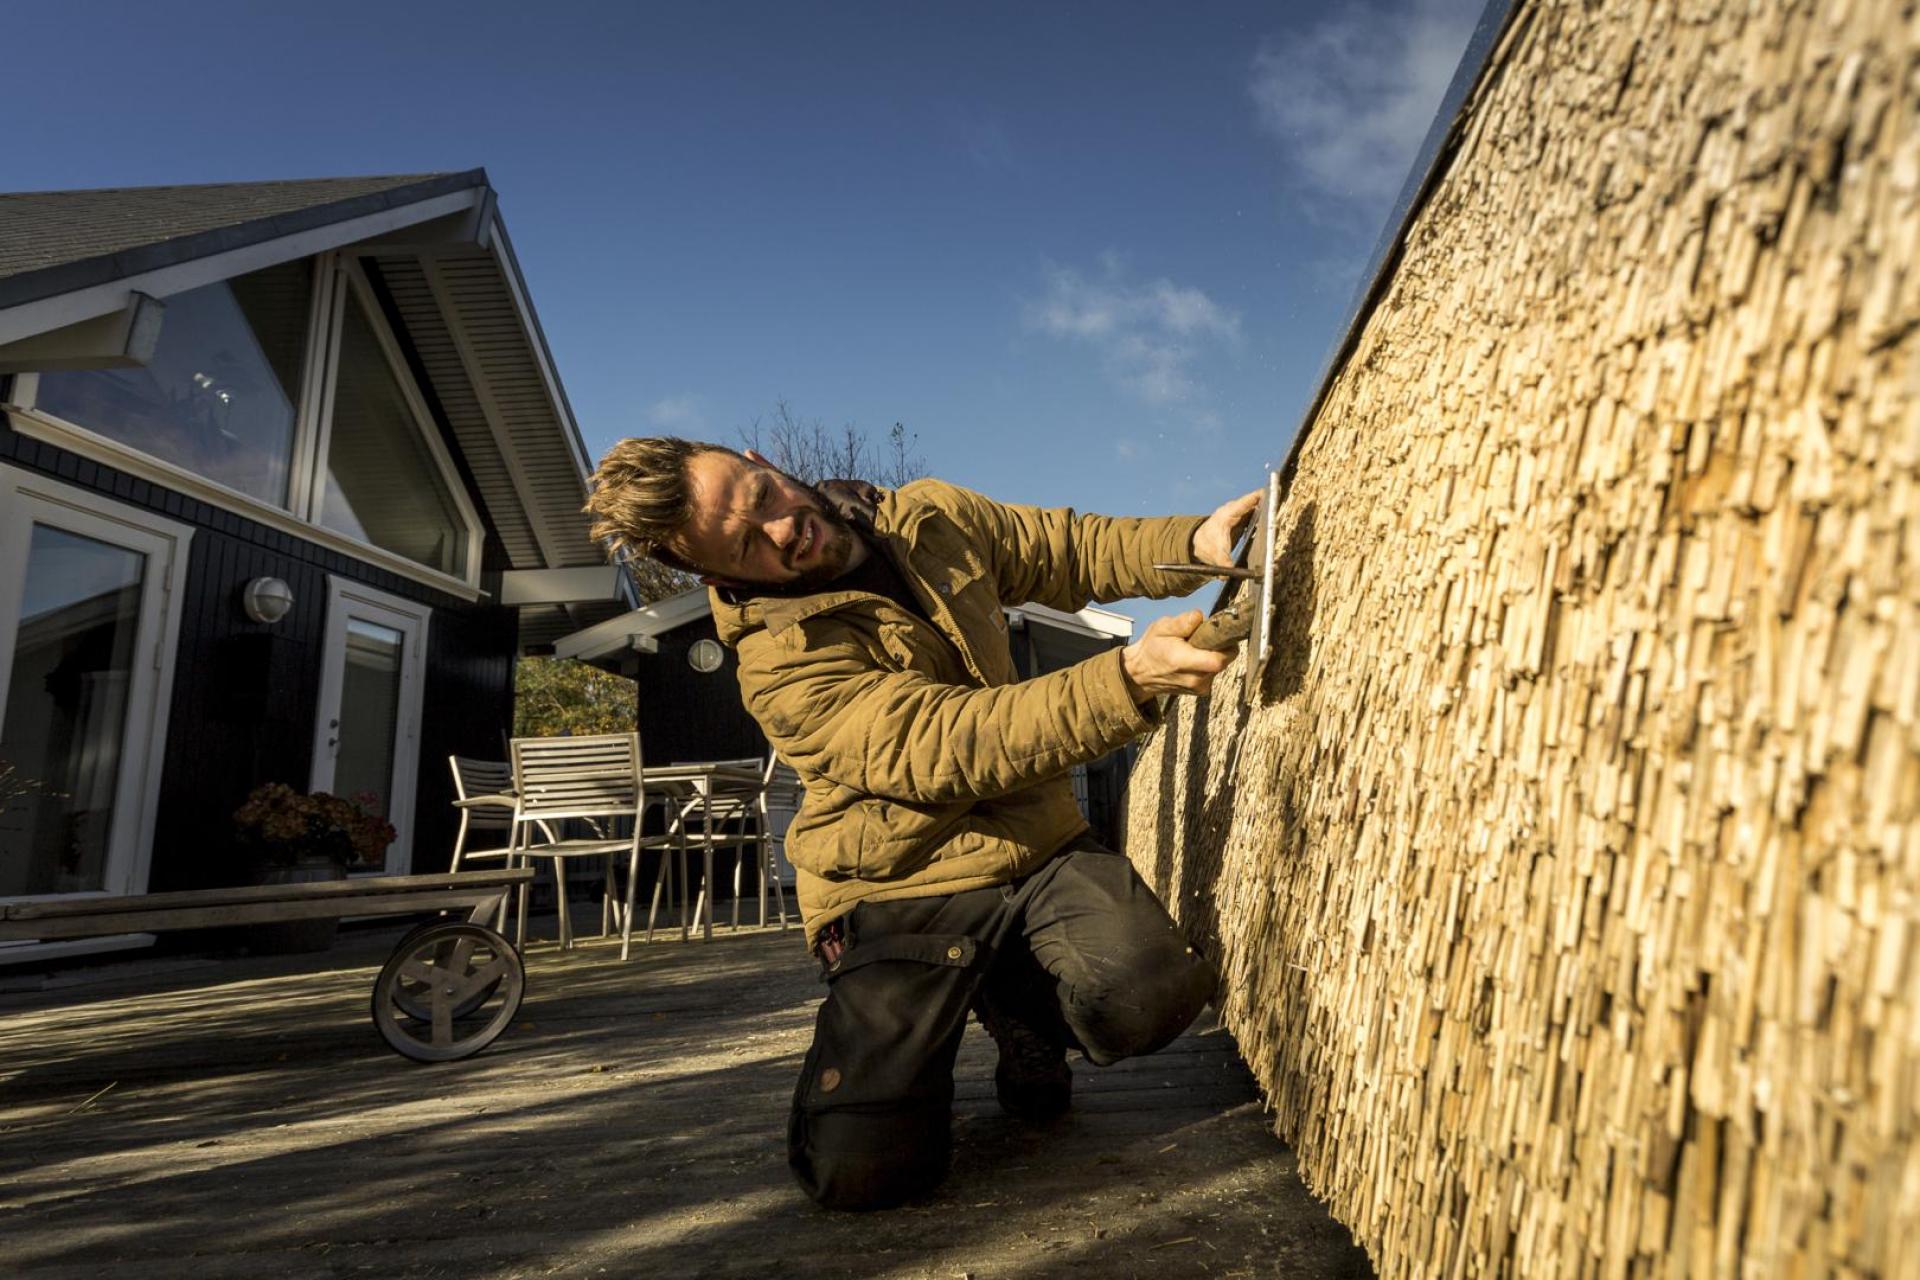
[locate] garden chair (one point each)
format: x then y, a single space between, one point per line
597 779
776 789
483 793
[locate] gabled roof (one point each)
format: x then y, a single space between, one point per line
444 259
54 242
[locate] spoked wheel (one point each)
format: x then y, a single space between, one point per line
447 991
413 997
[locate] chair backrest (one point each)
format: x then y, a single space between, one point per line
591 776
783 787
480 777
483 778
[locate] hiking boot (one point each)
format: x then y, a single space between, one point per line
1032 1079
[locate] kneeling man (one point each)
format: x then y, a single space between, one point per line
943 863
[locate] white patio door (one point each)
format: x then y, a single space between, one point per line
88 622
366 741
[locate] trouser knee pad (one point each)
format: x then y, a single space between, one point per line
1148 1012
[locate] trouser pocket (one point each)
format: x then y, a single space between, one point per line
872 1111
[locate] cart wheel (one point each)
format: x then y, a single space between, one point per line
464 978
413 996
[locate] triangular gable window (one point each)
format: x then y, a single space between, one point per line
382 483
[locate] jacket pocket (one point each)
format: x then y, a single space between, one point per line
824 838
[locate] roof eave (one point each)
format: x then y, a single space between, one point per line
70 277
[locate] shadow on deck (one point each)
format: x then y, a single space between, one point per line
629 1124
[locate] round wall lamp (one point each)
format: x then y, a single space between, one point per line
705 656
266 600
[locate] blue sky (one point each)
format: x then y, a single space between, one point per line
1090 254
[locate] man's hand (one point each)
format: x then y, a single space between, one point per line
1162 662
1213 541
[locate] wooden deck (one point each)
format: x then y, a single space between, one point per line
175 1117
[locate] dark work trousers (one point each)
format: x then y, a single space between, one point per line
1080 950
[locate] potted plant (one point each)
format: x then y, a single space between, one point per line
294 837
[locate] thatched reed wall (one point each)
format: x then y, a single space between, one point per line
1566 872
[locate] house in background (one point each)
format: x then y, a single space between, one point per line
689 688
287 480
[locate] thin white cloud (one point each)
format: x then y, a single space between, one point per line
1350 98
682 415
1148 334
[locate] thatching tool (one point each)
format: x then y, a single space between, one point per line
1249 615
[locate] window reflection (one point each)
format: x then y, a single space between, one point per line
383 486
220 395
66 712
369 715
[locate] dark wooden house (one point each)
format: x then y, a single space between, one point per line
689 692
287 479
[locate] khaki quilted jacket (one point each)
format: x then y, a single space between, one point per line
927 768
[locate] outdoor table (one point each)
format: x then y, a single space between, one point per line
443 972
705 782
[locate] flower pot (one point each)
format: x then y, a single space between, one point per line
295 937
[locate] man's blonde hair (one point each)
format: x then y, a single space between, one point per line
641 498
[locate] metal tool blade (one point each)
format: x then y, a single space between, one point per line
1210 570
1261 555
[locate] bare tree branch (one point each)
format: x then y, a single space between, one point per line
809 451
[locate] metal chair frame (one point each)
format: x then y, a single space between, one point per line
780 789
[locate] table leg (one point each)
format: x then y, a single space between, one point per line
686 889
706 861
762 852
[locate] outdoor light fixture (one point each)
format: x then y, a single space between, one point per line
706 656
266 600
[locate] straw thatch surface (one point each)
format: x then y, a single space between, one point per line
1566 871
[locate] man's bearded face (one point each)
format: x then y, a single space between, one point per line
754 524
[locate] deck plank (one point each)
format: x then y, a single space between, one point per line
629 1124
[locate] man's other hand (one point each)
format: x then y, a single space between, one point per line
1213 541
1161 661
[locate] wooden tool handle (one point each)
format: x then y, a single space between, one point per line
1219 631
1223 630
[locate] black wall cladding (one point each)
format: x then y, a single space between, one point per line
242 706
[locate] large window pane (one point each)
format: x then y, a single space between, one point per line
66 712
219 397
382 484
